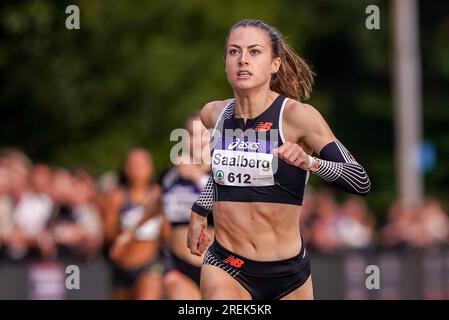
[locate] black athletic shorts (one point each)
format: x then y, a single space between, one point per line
264 280
126 278
173 262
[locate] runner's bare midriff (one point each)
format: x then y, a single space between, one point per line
138 253
257 230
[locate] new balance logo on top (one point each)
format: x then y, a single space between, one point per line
263 126
233 261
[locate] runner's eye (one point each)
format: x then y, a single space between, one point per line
233 52
255 52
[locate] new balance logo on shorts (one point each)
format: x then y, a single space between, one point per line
233 261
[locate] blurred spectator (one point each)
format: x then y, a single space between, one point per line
181 185
435 223
86 211
41 179
107 183
393 232
31 210
355 225
324 234
5 206
76 226
328 227
415 227
135 231
308 214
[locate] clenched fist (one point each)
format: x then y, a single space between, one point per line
197 237
294 155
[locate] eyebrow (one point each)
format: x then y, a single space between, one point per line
249 47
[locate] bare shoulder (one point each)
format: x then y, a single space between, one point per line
303 122
298 113
211 111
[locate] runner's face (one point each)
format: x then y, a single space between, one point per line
249 58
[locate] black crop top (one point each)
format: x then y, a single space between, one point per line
243 167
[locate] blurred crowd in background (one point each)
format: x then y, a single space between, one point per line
51 213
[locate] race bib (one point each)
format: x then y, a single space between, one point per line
243 169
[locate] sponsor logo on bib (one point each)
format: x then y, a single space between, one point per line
240 144
220 175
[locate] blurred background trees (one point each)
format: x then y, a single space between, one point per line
136 69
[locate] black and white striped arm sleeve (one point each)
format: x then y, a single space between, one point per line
339 167
204 203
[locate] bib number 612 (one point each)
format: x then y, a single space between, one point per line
232 177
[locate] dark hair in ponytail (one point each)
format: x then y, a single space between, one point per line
294 78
